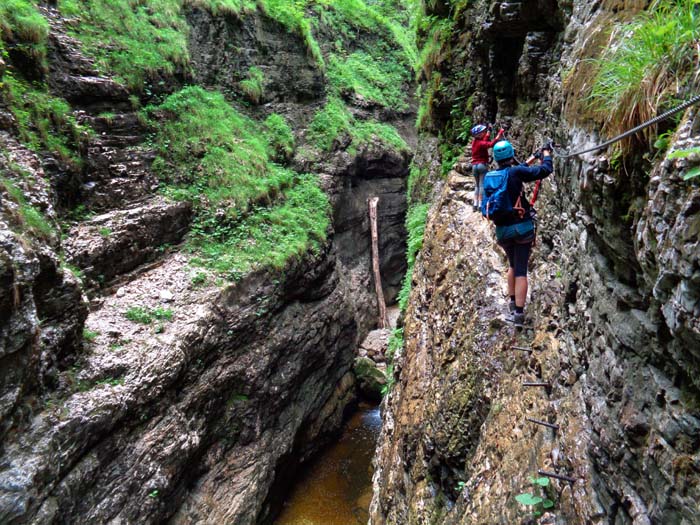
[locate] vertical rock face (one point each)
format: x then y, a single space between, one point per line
41 304
614 299
223 48
198 412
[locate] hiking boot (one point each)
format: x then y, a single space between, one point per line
511 307
518 319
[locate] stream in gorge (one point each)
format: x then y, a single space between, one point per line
336 487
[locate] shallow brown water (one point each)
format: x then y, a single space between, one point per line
336 488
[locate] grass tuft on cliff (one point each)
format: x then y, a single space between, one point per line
334 123
269 236
44 121
132 40
252 86
24 217
375 80
415 225
250 212
207 149
654 61
22 24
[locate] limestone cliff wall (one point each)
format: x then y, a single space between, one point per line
199 418
614 299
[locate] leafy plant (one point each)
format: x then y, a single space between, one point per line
684 153
334 121
379 80
199 279
386 388
269 236
104 231
538 503
139 314
44 122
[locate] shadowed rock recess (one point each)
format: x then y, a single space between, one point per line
135 386
614 307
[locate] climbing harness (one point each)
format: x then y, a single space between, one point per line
632 131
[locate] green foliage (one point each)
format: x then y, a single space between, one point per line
250 211
199 279
269 236
381 81
538 503
415 225
329 122
225 7
395 343
104 231
22 24
348 16
417 189
253 85
26 218
334 121
424 119
683 153
440 32
145 38
279 136
89 335
213 155
656 55
692 173
386 388
449 154
44 121
292 15
142 315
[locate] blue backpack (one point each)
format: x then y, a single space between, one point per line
495 204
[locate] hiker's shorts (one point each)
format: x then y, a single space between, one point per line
479 171
518 252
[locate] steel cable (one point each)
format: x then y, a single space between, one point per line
632 131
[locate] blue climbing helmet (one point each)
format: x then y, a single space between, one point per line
503 150
479 128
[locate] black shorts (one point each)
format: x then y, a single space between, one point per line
518 252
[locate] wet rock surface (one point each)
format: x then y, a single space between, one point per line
223 48
180 397
41 303
117 242
614 325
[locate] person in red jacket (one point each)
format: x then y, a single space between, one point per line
480 157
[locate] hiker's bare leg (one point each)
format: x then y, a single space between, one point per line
520 289
511 282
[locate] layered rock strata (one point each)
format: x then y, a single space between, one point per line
613 305
180 397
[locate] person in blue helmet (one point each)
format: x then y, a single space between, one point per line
515 229
480 156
